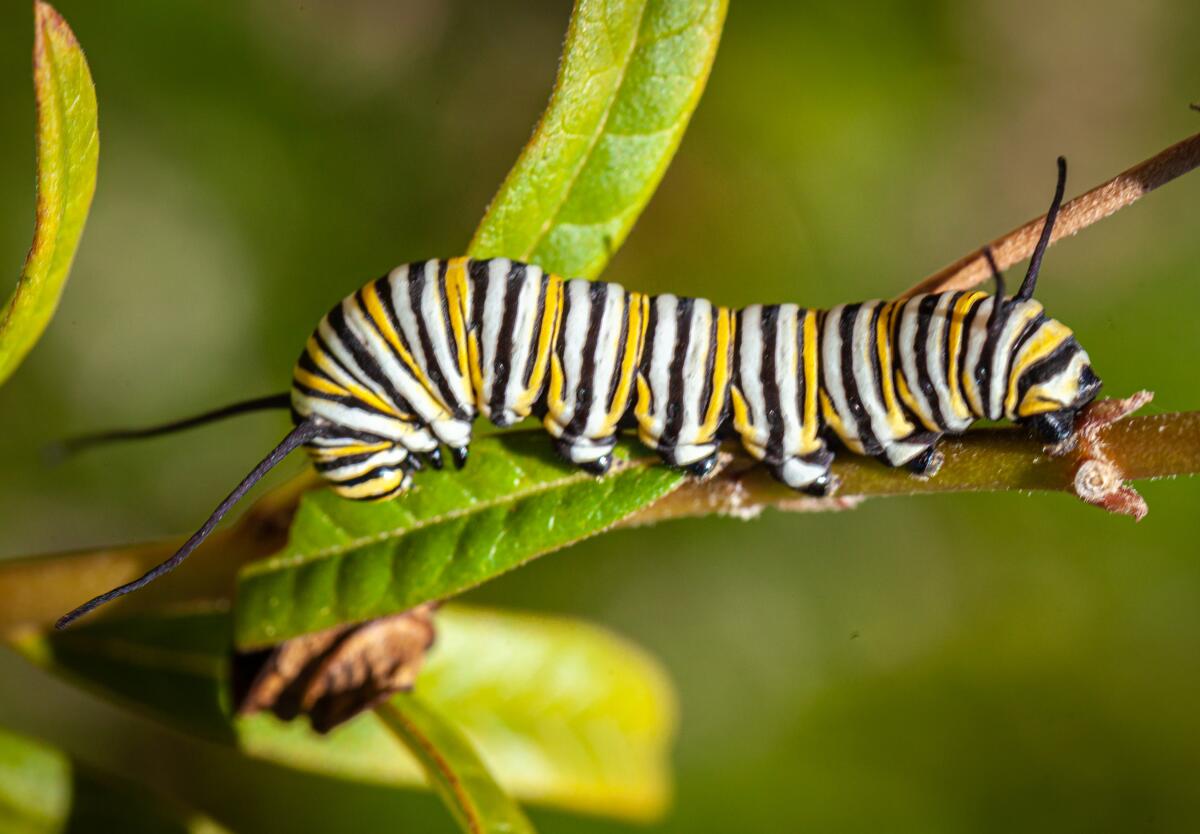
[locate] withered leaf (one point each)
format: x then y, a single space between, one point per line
333 675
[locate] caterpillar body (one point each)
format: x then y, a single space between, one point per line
404 365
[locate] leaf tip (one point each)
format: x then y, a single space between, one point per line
48 22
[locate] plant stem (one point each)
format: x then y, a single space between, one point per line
1103 200
1150 447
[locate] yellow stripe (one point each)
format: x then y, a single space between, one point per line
741 414
330 453
628 369
910 400
811 385
897 424
1053 334
376 489
835 422
476 366
551 317
380 318
325 364
642 410
458 297
953 382
720 377
318 383
554 400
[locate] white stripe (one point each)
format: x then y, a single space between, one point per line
434 314
493 315
976 339
695 367
606 348
786 357
906 347
750 346
575 336
864 372
831 363
664 346
524 330
398 374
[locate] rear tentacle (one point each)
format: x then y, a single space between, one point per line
297 437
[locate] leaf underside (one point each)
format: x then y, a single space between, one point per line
562 712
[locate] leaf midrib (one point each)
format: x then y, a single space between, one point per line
623 70
291 561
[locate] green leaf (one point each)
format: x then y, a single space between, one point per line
42 791
630 77
563 713
453 768
350 561
68 148
35 785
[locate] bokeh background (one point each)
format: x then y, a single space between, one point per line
954 663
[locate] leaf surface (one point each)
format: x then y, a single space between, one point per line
43 791
562 713
350 561
631 75
68 147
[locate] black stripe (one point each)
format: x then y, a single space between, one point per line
364 359
622 340
648 353
478 272
858 412
332 432
706 392
444 304
876 363
735 377
416 284
769 328
921 359
1047 368
352 403
997 321
964 349
539 313
674 421
585 386
1031 327
502 362
370 475
345 460
954 298
353 373
802 380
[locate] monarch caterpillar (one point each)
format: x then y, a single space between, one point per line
404 365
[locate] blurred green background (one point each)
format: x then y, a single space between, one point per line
963 663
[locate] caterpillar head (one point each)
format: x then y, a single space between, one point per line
1052 385
1050 376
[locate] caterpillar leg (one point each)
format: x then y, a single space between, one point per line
917 453
589 454
807 473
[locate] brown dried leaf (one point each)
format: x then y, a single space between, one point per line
333 675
